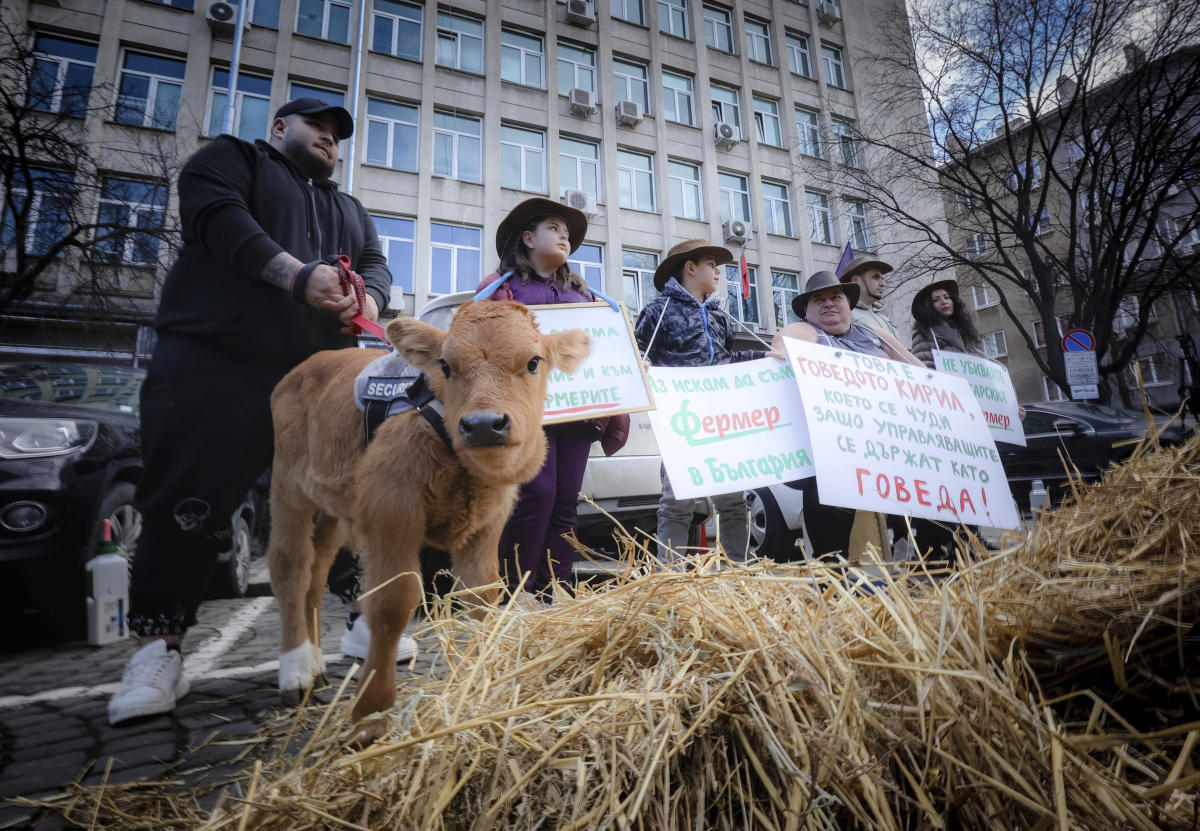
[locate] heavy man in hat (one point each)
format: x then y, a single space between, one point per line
868 273
249 298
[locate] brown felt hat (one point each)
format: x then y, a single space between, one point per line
861 263
819 282
532 209
691 249
949 285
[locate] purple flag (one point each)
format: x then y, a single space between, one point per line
847 256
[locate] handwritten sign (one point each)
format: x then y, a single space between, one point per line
899 439
728 428
993 389
610 380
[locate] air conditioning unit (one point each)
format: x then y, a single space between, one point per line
222 18
629 113
736 231
581 200
828 11
582 101
581 12
725 134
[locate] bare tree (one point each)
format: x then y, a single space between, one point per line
67 231
1065 135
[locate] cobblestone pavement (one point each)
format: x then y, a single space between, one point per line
53 721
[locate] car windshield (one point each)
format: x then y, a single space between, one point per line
86 385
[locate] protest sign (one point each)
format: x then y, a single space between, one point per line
900 439
993 389
610 380
730 427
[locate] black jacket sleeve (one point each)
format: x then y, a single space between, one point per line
214 206
372 263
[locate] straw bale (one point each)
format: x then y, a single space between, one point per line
1045 686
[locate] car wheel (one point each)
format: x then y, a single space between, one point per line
232 577
126 521
769 535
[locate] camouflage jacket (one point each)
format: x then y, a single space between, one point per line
692 333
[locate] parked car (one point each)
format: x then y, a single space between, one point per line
70 457
1084 433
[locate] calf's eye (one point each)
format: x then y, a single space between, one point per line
445 367
532 366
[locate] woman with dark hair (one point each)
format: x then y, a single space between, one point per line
942 322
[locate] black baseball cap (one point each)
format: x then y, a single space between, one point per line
315 106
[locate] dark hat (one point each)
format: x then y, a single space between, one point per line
819 282
691 249
949 285
532 209
861 263
315 106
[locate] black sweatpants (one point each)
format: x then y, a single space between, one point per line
206 437
828 526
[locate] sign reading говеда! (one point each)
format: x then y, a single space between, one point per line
610 380
729 427
899 439
993 389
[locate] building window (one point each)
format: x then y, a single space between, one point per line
579 166
718 29
522 158
635 180
1039 332
964 201
744 309
820 218
396 29
725 106
264 13
785 287
637 272
631 83
60 78
766 122
808 132
521 59
673 17
683 182
1041 225
393 132
337 99
1032 170
456 146
847 141
678 98
799 58
835 72
455 258
324 19
576 69
735 197
758 41
995 345
1052 391
397 238
460 42
630 11
1155 370
251 105
131 217
49 212
588 263
777 208
150 90
975 245
858 232
984 296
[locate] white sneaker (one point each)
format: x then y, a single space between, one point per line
151 684
357 637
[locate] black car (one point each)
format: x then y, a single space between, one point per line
70 457
1084 433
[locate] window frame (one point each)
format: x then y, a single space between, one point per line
591 68
772 205
759 41
672 7
719 106
630 81
833 61
625 4
48 183
326 7
523 54
392 125
736 304
239 98
761 118
385 241
685 185
727 194
844 134
587 269
725 21
858 224
1046 396
455 248
994 352
580 163
396 21
64 64
782 296
128 240
525 151
808 134
674 94
642 277
148 111
632 176
819 214
444 32
455 134
799 53
983 289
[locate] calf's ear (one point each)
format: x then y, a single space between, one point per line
564 350
418 343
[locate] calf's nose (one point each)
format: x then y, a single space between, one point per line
484 428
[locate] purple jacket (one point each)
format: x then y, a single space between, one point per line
537 292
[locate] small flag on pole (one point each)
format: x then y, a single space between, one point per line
745 279
847 256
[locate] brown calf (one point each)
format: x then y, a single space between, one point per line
489 371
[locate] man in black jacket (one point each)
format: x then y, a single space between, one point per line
247 300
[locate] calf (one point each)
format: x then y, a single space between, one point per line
489 371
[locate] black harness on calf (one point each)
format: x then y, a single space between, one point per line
410 393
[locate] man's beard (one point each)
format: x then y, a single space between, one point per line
309 161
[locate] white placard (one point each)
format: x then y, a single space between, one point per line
993 389
610 380
1081 367
899 439
1085 392
729 427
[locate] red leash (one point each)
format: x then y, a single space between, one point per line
351 281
